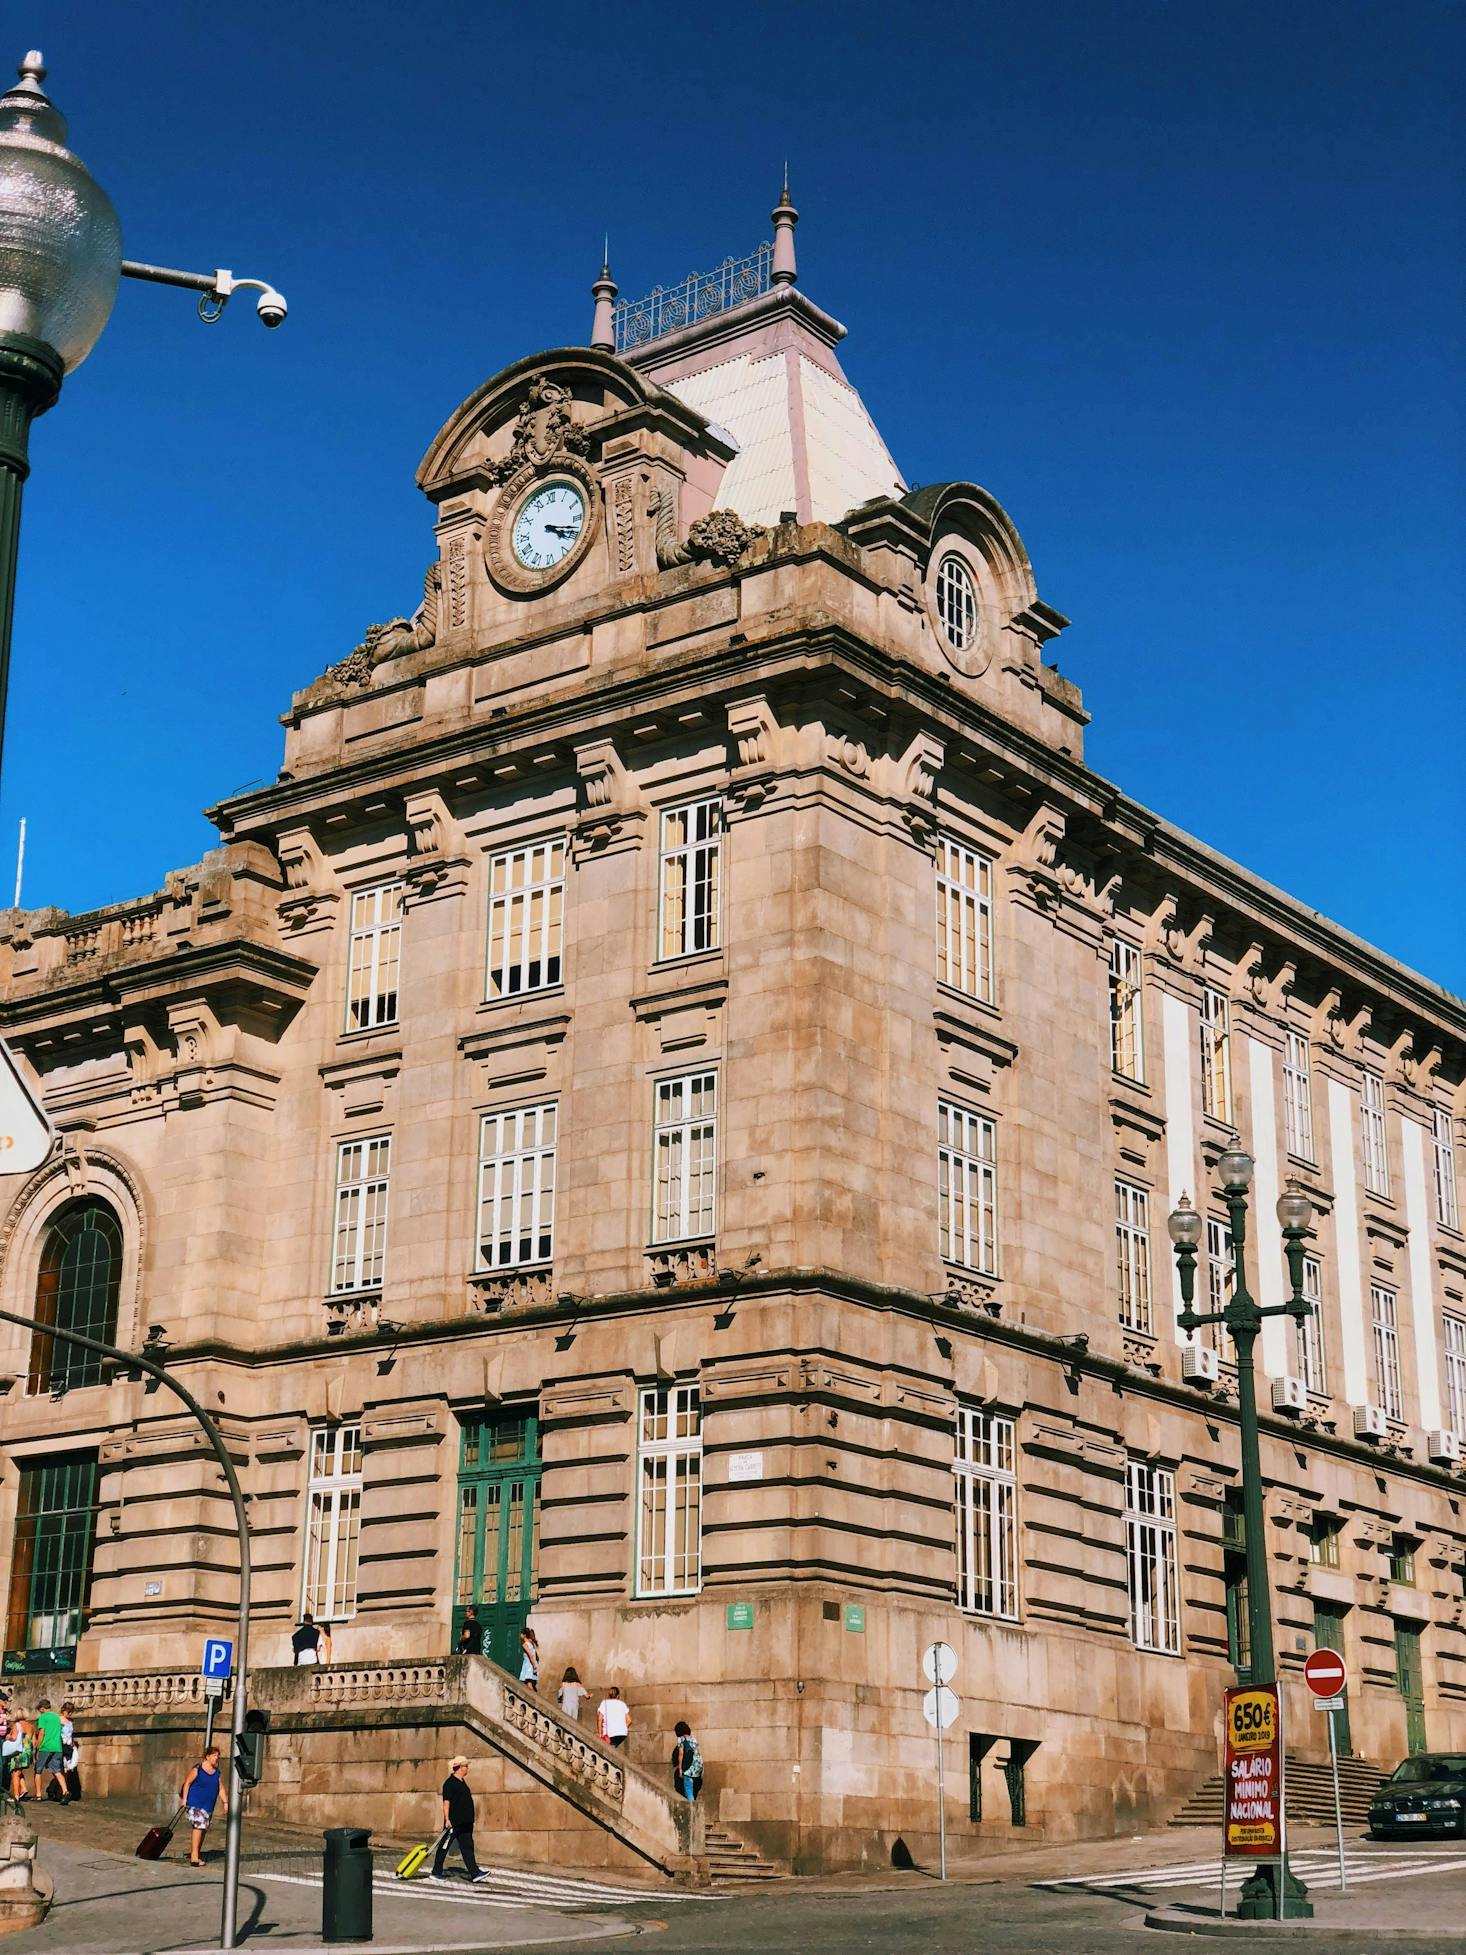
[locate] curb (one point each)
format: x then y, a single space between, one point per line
1361 1940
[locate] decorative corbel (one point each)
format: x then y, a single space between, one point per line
438 863
1401 1064
610 807
919 766
311 897
1032 858
755 735
195 1031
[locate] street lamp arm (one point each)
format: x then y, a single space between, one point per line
217 289
135 1361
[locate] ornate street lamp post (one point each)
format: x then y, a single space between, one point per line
60 260
1262 1897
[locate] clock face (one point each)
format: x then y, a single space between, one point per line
548 525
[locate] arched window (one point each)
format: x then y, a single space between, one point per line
81 1273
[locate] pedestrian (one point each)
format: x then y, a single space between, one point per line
70 1753
471 1635
572 1693
202 1791
457 1821
48 1749
613 1717
16 1751
312 1641
686 1761
529 1658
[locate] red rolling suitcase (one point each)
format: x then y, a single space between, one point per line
154 1842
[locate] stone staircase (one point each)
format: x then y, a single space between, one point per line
1309 1790
730 1858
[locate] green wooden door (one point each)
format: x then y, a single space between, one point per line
1328 1634
498 1529
1410 1682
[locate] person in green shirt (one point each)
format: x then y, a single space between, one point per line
49 1748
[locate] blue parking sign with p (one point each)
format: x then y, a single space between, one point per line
218 1658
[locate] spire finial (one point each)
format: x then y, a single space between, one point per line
603 325
785 217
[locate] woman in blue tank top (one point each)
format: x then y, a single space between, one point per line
202 1792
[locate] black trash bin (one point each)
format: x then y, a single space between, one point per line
346 1886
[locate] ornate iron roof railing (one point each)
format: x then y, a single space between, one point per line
668 308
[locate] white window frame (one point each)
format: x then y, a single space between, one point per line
1310 1348
669 1479
330 1563
1221 1277
526 943
1127 1010
1298 1095
685 1157
1443 1143
986 1503
516 1187
967 1188
954 598
1152 1559
1454 1371
687 870
1216 1054
965 919
374 957
1384 1326
1373 1144
359 1237
1132 1256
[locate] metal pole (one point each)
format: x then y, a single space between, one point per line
941 1787
19 861
135 1361
30 381
1338 1808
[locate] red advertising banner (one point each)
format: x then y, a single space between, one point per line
1253 1826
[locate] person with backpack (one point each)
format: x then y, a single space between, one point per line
202 1791
17 1754
49 1750
686 1761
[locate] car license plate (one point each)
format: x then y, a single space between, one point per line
1410 1818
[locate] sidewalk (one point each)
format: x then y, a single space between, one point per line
1354 1924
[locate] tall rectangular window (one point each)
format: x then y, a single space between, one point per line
1132 1255
1221 1278
967 1189
1216 1054
685 1157
1447 1208
1455 1373
332 1523
691 868
359 1254
1384 1326
987 1522
516 1187
1372 1134
1127 1032
1151 1557
1297 1096
1308 1333
51 1565
375 962
669 1508
526 918
965 920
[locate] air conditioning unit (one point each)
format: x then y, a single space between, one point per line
1444 1448
1369 1422
1289 1395
1200 1365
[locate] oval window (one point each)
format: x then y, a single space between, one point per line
956 603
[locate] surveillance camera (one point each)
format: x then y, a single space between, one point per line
271 307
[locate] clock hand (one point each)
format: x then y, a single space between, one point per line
563 529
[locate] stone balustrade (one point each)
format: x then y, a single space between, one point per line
584 1762
140 1690
378 1683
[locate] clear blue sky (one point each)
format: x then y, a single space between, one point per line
1181 285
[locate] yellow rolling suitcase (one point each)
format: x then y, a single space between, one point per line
410 1866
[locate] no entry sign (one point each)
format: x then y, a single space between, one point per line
1254 1775
1324 1673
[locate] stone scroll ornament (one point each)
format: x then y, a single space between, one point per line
544 432
721 537
415 634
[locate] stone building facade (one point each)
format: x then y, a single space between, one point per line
662 1119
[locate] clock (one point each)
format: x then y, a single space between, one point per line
548 524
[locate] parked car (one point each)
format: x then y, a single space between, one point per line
1425 1794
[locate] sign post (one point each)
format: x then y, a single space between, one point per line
939 1707
1326 1677
215 1666
1254 1826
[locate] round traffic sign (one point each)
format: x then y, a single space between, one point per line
940 1706
1324 1673
939 1662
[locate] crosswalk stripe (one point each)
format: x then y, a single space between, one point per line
505 1889
1361 1866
